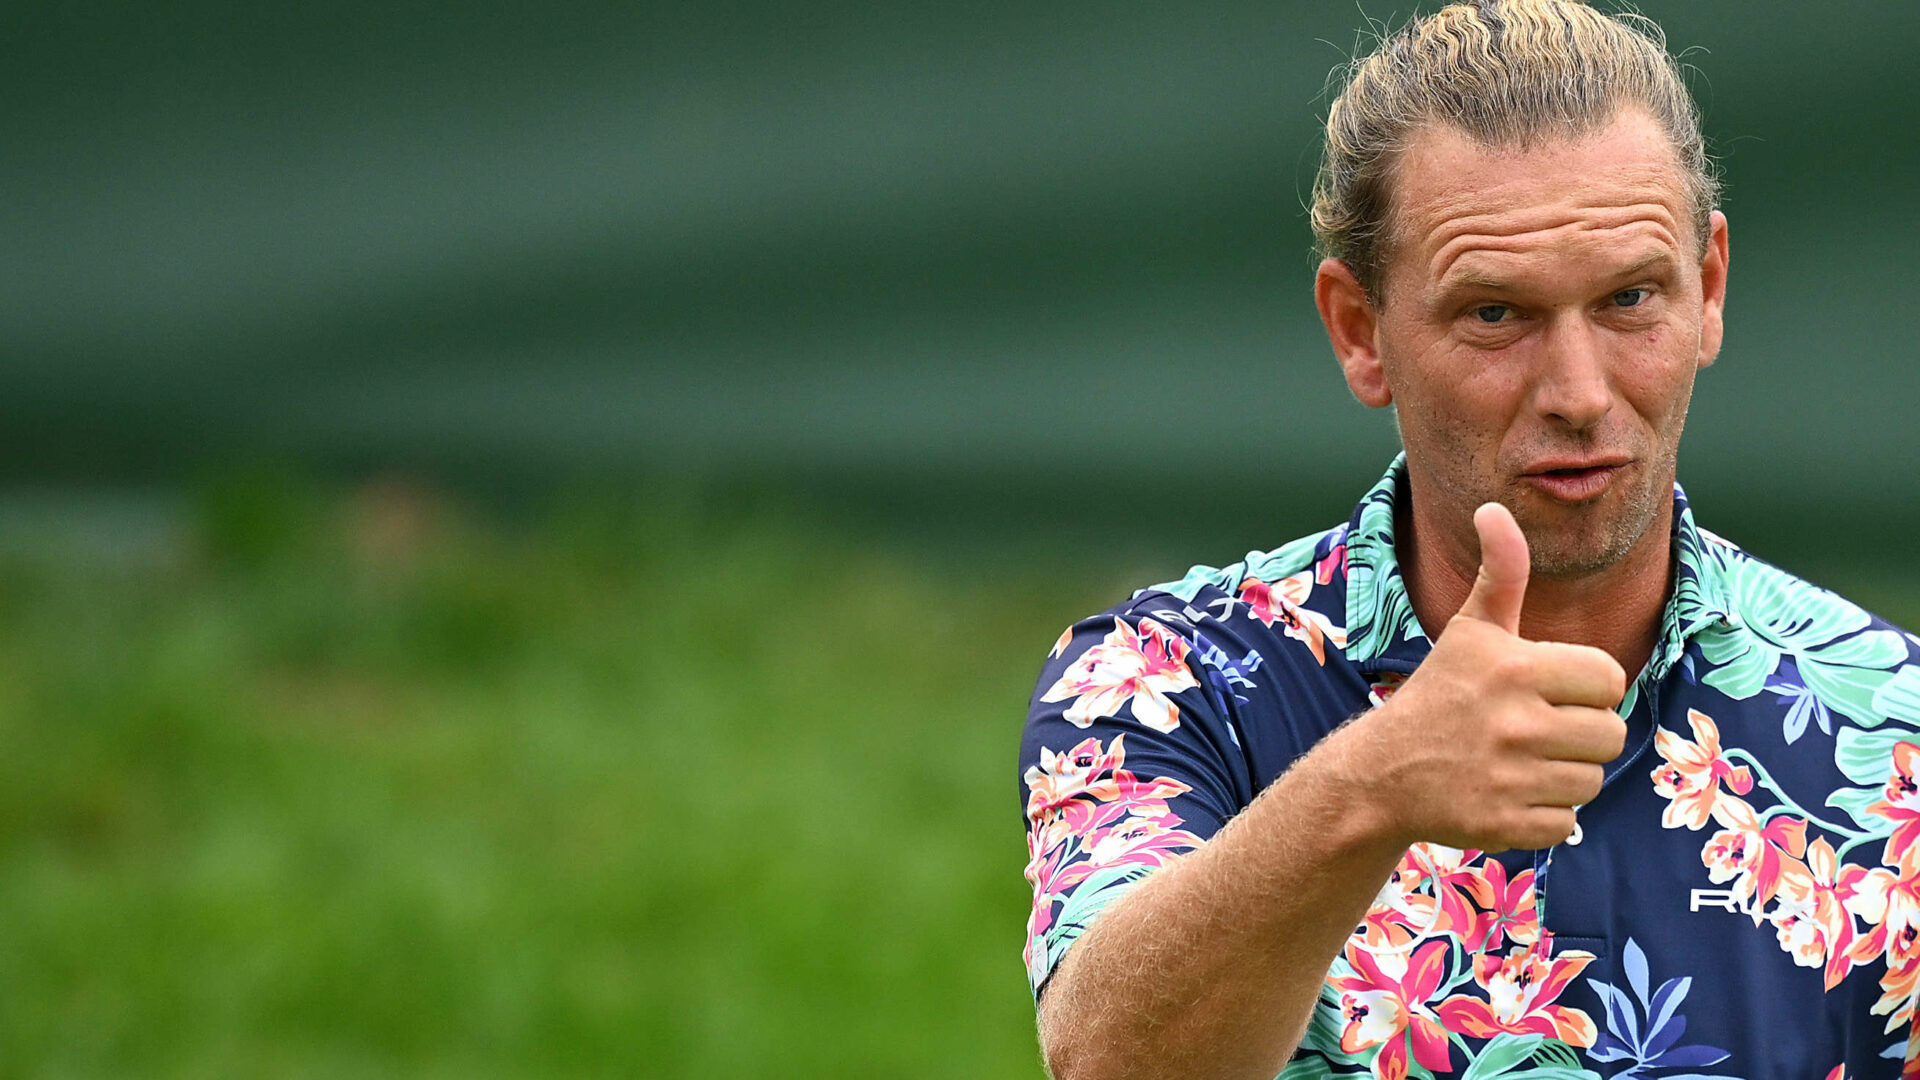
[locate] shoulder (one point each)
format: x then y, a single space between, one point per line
1779 630
1264 567
1214 631
1770 599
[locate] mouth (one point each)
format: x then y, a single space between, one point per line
1574 481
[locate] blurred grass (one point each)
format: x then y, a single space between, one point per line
360 784
363 787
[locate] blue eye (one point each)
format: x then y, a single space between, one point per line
1630 297
1491 313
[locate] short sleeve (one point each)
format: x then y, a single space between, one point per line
1129 761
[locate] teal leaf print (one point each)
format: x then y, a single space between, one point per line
1838 657
1899 697
1307 1068
1866 757
1379 612
1855 802
1503 1052
1323 1030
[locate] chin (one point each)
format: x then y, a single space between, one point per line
1551 562
1578 544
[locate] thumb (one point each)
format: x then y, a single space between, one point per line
1501 587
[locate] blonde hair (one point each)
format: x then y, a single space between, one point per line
1505 73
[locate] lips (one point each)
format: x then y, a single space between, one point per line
1573 480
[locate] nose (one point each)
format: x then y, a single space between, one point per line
1572 384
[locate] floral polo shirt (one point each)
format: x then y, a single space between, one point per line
1742 899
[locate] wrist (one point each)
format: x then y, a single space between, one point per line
1350 769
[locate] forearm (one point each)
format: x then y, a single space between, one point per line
1211 967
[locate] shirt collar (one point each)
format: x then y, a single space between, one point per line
1383 635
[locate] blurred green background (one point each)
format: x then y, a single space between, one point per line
526 533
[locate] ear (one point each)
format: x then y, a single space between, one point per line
1713 289
1351 326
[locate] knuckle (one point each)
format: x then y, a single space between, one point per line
1588 786
1508 786
1507 730
1549 828
1616 734
1511 666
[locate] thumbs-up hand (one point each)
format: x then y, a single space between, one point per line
1494 740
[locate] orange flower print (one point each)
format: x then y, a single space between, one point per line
1060 644
1898 988
1126 669
1759 859
1401 903
1279 602
1521 989
1901 805
1816 926
1692 771
1891 905
1061 776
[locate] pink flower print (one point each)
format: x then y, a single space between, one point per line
1900 804
1140 840
1401 903
1098 808
1460 887
1128 669
1759 859
1383 687
1691 773
1083 769
1383 1003
1279 602
1087 814
1521 989
1838 1073
1334 561
1816 925
1512 910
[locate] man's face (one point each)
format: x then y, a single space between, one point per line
1544 314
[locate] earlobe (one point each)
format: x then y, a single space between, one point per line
1713 289
1352 324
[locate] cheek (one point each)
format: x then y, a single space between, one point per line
1451 382
1656 378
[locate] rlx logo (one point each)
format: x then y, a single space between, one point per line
1724 899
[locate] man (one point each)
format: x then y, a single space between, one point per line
1518 772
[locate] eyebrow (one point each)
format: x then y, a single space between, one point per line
1480 279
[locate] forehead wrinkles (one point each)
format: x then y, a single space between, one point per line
1580 230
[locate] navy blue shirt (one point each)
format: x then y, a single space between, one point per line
1742 899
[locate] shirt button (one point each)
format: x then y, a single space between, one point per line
1578 835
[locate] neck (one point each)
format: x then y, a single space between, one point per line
1616 609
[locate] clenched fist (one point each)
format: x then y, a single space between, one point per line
1494 740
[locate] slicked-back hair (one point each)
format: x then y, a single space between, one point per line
1507 74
